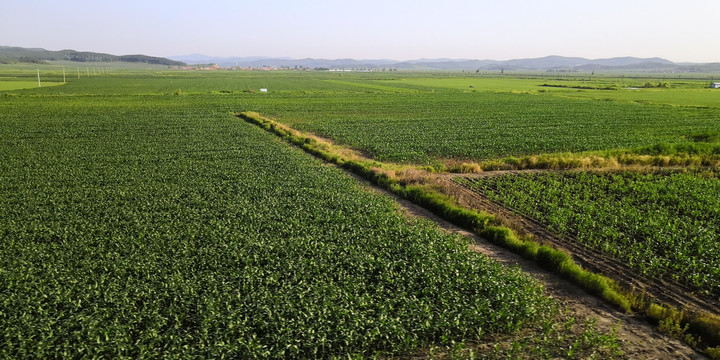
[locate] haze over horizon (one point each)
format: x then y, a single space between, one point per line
399 30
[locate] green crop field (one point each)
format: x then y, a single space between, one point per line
17 85
411 119
427 127
472 83
690 97
139 218
663 224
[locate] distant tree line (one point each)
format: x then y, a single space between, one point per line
22 59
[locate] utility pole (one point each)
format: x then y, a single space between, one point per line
38 72
64 74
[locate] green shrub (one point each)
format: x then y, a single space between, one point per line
551 259
707 326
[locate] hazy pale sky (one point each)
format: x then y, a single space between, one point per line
685 30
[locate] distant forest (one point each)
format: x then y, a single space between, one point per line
13 55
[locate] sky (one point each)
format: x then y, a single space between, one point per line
681 31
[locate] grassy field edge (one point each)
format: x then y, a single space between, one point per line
691 154
694 328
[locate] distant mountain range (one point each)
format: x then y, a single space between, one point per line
10 54
548 63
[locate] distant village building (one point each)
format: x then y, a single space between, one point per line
715 85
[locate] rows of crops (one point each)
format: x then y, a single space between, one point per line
216 83
425 127
663 224
403 118
161 226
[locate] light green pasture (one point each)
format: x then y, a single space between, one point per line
17 85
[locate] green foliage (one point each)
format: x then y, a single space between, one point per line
672 324
662 224
469 168
140 224
663 84
707 137
563 338
426 127
706 326
553 259
705 145
160 226
443 206
714 353
694 329
502 236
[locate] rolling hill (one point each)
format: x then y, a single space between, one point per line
10 54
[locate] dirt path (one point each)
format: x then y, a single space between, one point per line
640 339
